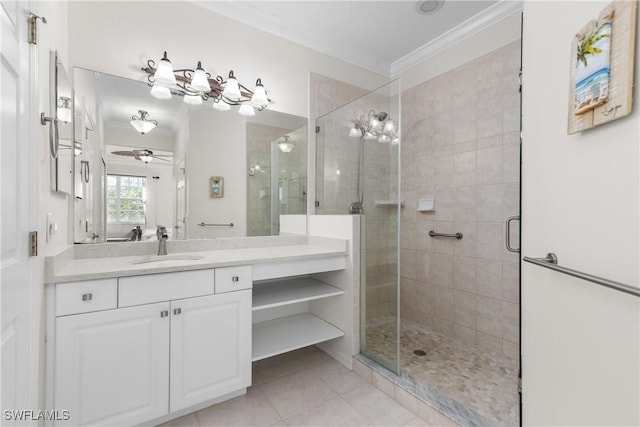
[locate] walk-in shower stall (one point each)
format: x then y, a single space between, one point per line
439 287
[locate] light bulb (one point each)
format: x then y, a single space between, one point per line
164 73
199 81
389 126
246 110
160 92
221 106
192 99
259 98
383 138
231 89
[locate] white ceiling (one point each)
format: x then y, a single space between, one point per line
381 36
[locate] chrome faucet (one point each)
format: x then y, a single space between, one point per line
161 232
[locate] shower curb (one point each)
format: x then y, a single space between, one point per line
430 404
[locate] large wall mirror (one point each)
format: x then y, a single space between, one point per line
141 162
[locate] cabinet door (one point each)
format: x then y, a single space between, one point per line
210 347
111 367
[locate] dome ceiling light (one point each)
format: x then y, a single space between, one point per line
142 123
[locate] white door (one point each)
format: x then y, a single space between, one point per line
111 367
19 204
210 347
181 203
581 201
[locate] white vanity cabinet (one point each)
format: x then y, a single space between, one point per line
210 347
111 367
160 350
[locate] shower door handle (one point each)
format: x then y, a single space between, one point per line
508 234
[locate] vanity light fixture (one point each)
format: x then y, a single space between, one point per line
285 145
377 126
142 123
197 86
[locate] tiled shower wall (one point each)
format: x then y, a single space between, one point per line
460 145
337 104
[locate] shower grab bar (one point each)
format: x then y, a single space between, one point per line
551 262
457 235
202 224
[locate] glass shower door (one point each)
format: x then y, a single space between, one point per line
357 172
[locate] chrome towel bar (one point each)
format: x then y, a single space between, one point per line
202 224
551 262
457 235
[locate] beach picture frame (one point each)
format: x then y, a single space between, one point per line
602 61
216 186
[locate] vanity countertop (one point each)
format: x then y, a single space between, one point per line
77 263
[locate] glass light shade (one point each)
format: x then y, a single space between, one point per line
146 159
192 99
375 124
389 126
259 98
369 136
246 110
199 81
355 132
384 138
221 106
160 92
64 114
143 126
231 89
164 73
286 146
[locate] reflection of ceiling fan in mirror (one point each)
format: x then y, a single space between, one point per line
144 155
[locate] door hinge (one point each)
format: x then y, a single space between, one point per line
317 129
520 385
32 20
317 203
33 243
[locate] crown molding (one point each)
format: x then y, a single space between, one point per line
466 29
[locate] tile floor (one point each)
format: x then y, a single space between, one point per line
481 380
305 387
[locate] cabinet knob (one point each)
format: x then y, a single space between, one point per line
87 297
177 311
235 279
164 313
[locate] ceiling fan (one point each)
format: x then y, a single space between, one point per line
144 155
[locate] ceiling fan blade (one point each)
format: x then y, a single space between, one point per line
125 153
160 158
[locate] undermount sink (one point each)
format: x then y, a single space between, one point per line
160 258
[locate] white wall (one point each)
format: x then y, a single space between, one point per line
119 37
580 342
481 43
51 36
217 147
